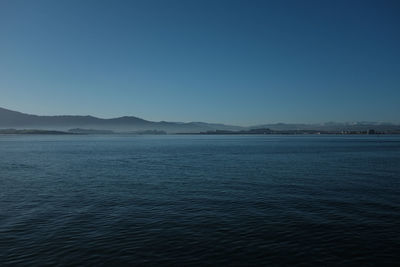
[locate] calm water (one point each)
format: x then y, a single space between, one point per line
192 200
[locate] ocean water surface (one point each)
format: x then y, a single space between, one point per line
197 200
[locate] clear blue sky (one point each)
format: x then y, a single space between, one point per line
237 62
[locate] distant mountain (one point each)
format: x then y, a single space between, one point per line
18 120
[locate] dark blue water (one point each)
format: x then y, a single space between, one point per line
195 200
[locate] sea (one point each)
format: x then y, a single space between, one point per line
195 200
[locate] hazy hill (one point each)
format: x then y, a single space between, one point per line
18 120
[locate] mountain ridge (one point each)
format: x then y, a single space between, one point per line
19 120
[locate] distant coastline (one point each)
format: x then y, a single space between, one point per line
295 132
14 122
33 131
77 132
216 132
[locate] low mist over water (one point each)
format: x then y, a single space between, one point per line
182 200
